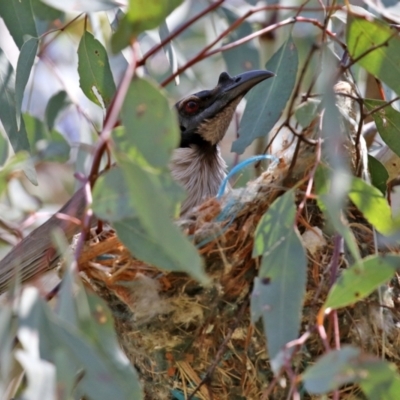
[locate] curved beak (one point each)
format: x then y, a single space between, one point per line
232 87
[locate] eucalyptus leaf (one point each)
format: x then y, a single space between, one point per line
141 16
384 60
374 206
151 126
149 201
45 12
266 101
16 135
3 149
18 17
387 121
25 62
83 5
55 105
95 77
379 174
280 287
361 280
377 378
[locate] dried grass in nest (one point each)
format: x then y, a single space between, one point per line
177 332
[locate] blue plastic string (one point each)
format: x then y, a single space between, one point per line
242 165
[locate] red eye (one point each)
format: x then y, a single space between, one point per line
191 106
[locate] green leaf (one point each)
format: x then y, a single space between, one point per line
384 61
95 77
17 136
24 66
379 174
361 280
3 149
151 205
242 58
46 146
102 378
378 378
331 202
111 197
266 101
151 126
307 111
44 12
387 121
331 371
55 105
141 16
18 17
374 206
83 5
280 288
15 163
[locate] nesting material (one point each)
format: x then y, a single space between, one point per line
179 334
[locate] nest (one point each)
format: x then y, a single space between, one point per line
180 335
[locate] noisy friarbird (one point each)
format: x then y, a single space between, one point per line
196 164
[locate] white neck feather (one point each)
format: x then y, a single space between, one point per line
200 173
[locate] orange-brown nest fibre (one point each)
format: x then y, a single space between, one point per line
177 332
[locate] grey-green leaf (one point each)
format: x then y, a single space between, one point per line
387 121
379 174
266 102
95 77
54 106
361 279
149 201
18 17
151 126
17 137
83 5
279 290
141 16
383 61
25 62
307 111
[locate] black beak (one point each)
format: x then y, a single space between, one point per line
231 88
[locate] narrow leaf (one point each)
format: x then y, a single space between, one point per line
83 5
44 12
361 280
24 66
379 174
18 17
266 102
151 127
377 378
153 214
387 121
141 16
384 60
374 206
331 371
55 105
95 77
17 137
279 290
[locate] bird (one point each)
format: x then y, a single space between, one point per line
196 164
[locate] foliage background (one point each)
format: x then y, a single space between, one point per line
69 349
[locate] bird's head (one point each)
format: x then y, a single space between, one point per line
205 116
